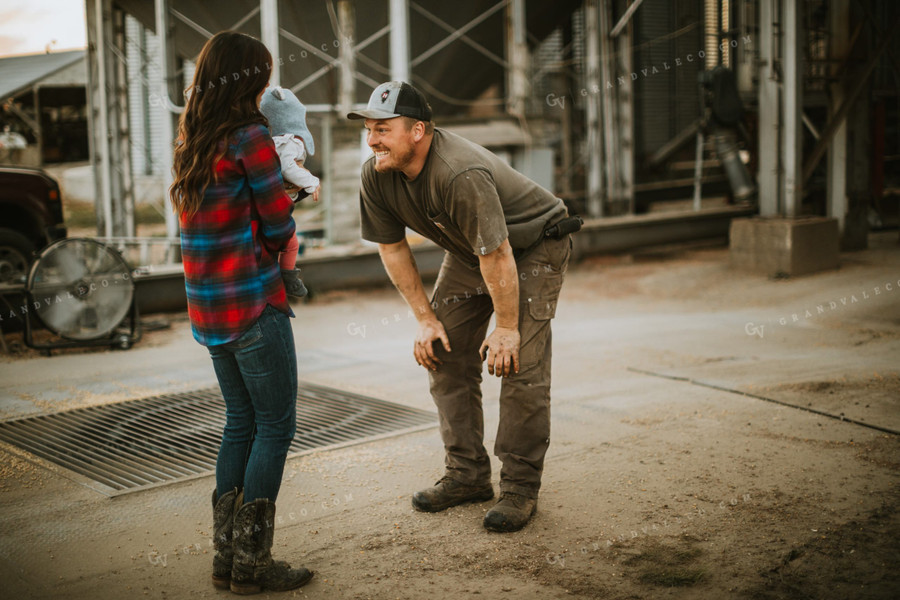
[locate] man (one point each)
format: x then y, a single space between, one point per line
504 255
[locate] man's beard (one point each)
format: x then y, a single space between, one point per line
398 162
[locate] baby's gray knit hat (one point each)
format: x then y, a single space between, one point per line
286 114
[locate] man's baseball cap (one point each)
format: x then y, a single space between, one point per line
395 99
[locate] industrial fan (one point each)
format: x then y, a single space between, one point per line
82 291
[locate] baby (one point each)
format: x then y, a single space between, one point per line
293 142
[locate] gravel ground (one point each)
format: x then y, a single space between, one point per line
715 435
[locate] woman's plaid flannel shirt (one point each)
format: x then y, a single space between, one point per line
230 246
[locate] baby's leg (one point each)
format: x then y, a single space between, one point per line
288 258
290 274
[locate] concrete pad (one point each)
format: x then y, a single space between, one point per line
784 247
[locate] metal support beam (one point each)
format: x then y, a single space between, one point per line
124 180
24 116
819 151
328 171
268 24
681 138
792 144
458 33
399 21
698 169
628 232
810 126
625 114
769 110
877 27
608 104
38 130
167 129
836 179
332 62
517 56
625 19
347 55
101 10
745 26
592 109
465 39
194 24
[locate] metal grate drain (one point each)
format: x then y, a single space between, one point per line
138 444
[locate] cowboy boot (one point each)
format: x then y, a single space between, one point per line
253 569
223 523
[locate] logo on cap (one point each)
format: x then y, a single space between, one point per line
384 96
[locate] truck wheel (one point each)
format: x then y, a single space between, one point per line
16 253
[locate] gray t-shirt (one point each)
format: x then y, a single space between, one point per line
465 200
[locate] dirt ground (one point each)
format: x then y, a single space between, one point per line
715 435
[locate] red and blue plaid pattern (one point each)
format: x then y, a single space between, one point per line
230 246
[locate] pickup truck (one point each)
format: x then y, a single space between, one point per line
31 217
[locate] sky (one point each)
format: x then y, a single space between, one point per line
30 26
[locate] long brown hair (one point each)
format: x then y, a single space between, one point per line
232 69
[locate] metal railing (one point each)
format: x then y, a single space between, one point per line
146 251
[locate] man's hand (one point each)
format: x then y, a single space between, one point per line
502 351
290 188
315 194
429 331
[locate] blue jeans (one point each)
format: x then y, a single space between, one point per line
258 376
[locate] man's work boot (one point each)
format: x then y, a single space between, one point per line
449 492
511 513
293 285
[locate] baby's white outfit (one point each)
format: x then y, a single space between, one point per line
290 149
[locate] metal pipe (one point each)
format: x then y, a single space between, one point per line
768 149
168 131
347 55
729 156
592 109
516 52
711 34
268 25
327 169
625 117
123 134
698 169
725 26
399 20
607 98
792 103
103 115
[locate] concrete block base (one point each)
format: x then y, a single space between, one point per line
779 247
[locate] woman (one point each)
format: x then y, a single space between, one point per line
235 219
